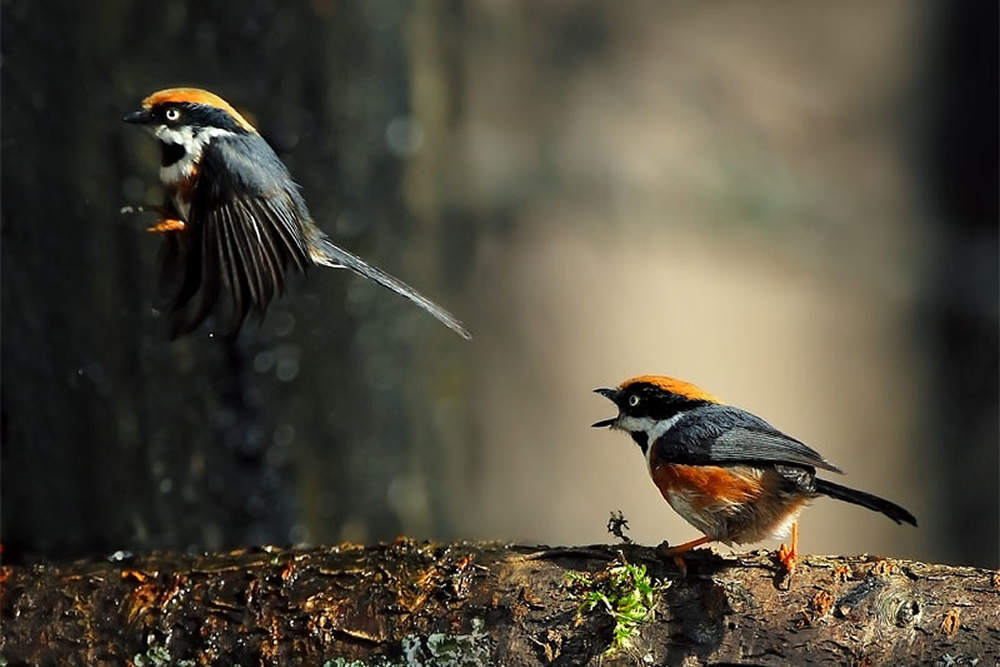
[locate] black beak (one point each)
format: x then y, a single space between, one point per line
609 394
142 117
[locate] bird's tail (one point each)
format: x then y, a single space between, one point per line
847 494
323 251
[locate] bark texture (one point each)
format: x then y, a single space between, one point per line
414 603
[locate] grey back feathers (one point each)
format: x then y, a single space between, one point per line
721 434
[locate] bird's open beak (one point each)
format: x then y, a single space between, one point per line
610 395
142 117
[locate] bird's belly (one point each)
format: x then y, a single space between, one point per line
733 504
179 180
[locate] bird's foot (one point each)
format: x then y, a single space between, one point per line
787 556
167 225
668 551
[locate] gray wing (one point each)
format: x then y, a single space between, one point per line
747 444
720 435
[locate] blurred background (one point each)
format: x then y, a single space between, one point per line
793 205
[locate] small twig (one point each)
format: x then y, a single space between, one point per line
129 209
569 552
617 525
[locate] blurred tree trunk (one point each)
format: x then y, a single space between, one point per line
469 604
960 318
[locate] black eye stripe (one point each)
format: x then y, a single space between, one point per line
646 400
198 115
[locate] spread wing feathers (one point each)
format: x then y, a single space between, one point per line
715 434
235 253
326 253
189 288
180 272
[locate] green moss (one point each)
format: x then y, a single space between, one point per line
159 656
436 650
443 650
623 590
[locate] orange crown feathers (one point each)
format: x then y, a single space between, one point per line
195 96
679 387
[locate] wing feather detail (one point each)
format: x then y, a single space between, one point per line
235 253
724 435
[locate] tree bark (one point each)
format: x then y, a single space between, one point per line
414 603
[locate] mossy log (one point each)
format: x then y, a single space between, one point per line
414 603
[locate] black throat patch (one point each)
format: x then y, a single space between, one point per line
641 439
171 153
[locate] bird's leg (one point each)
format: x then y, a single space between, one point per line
668 551
788 554
166 223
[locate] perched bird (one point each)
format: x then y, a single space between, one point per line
728 472
234 225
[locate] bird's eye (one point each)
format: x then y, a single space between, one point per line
172 114
633 400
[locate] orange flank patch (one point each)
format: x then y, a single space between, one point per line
195 96
707 487
185 187
674 386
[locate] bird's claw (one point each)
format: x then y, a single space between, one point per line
787 556
168 225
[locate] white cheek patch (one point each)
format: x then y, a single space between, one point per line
184 167
660 428
175 135
653 428
193 140
188 135
634 424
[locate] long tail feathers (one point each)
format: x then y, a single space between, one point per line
324 252
890 509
